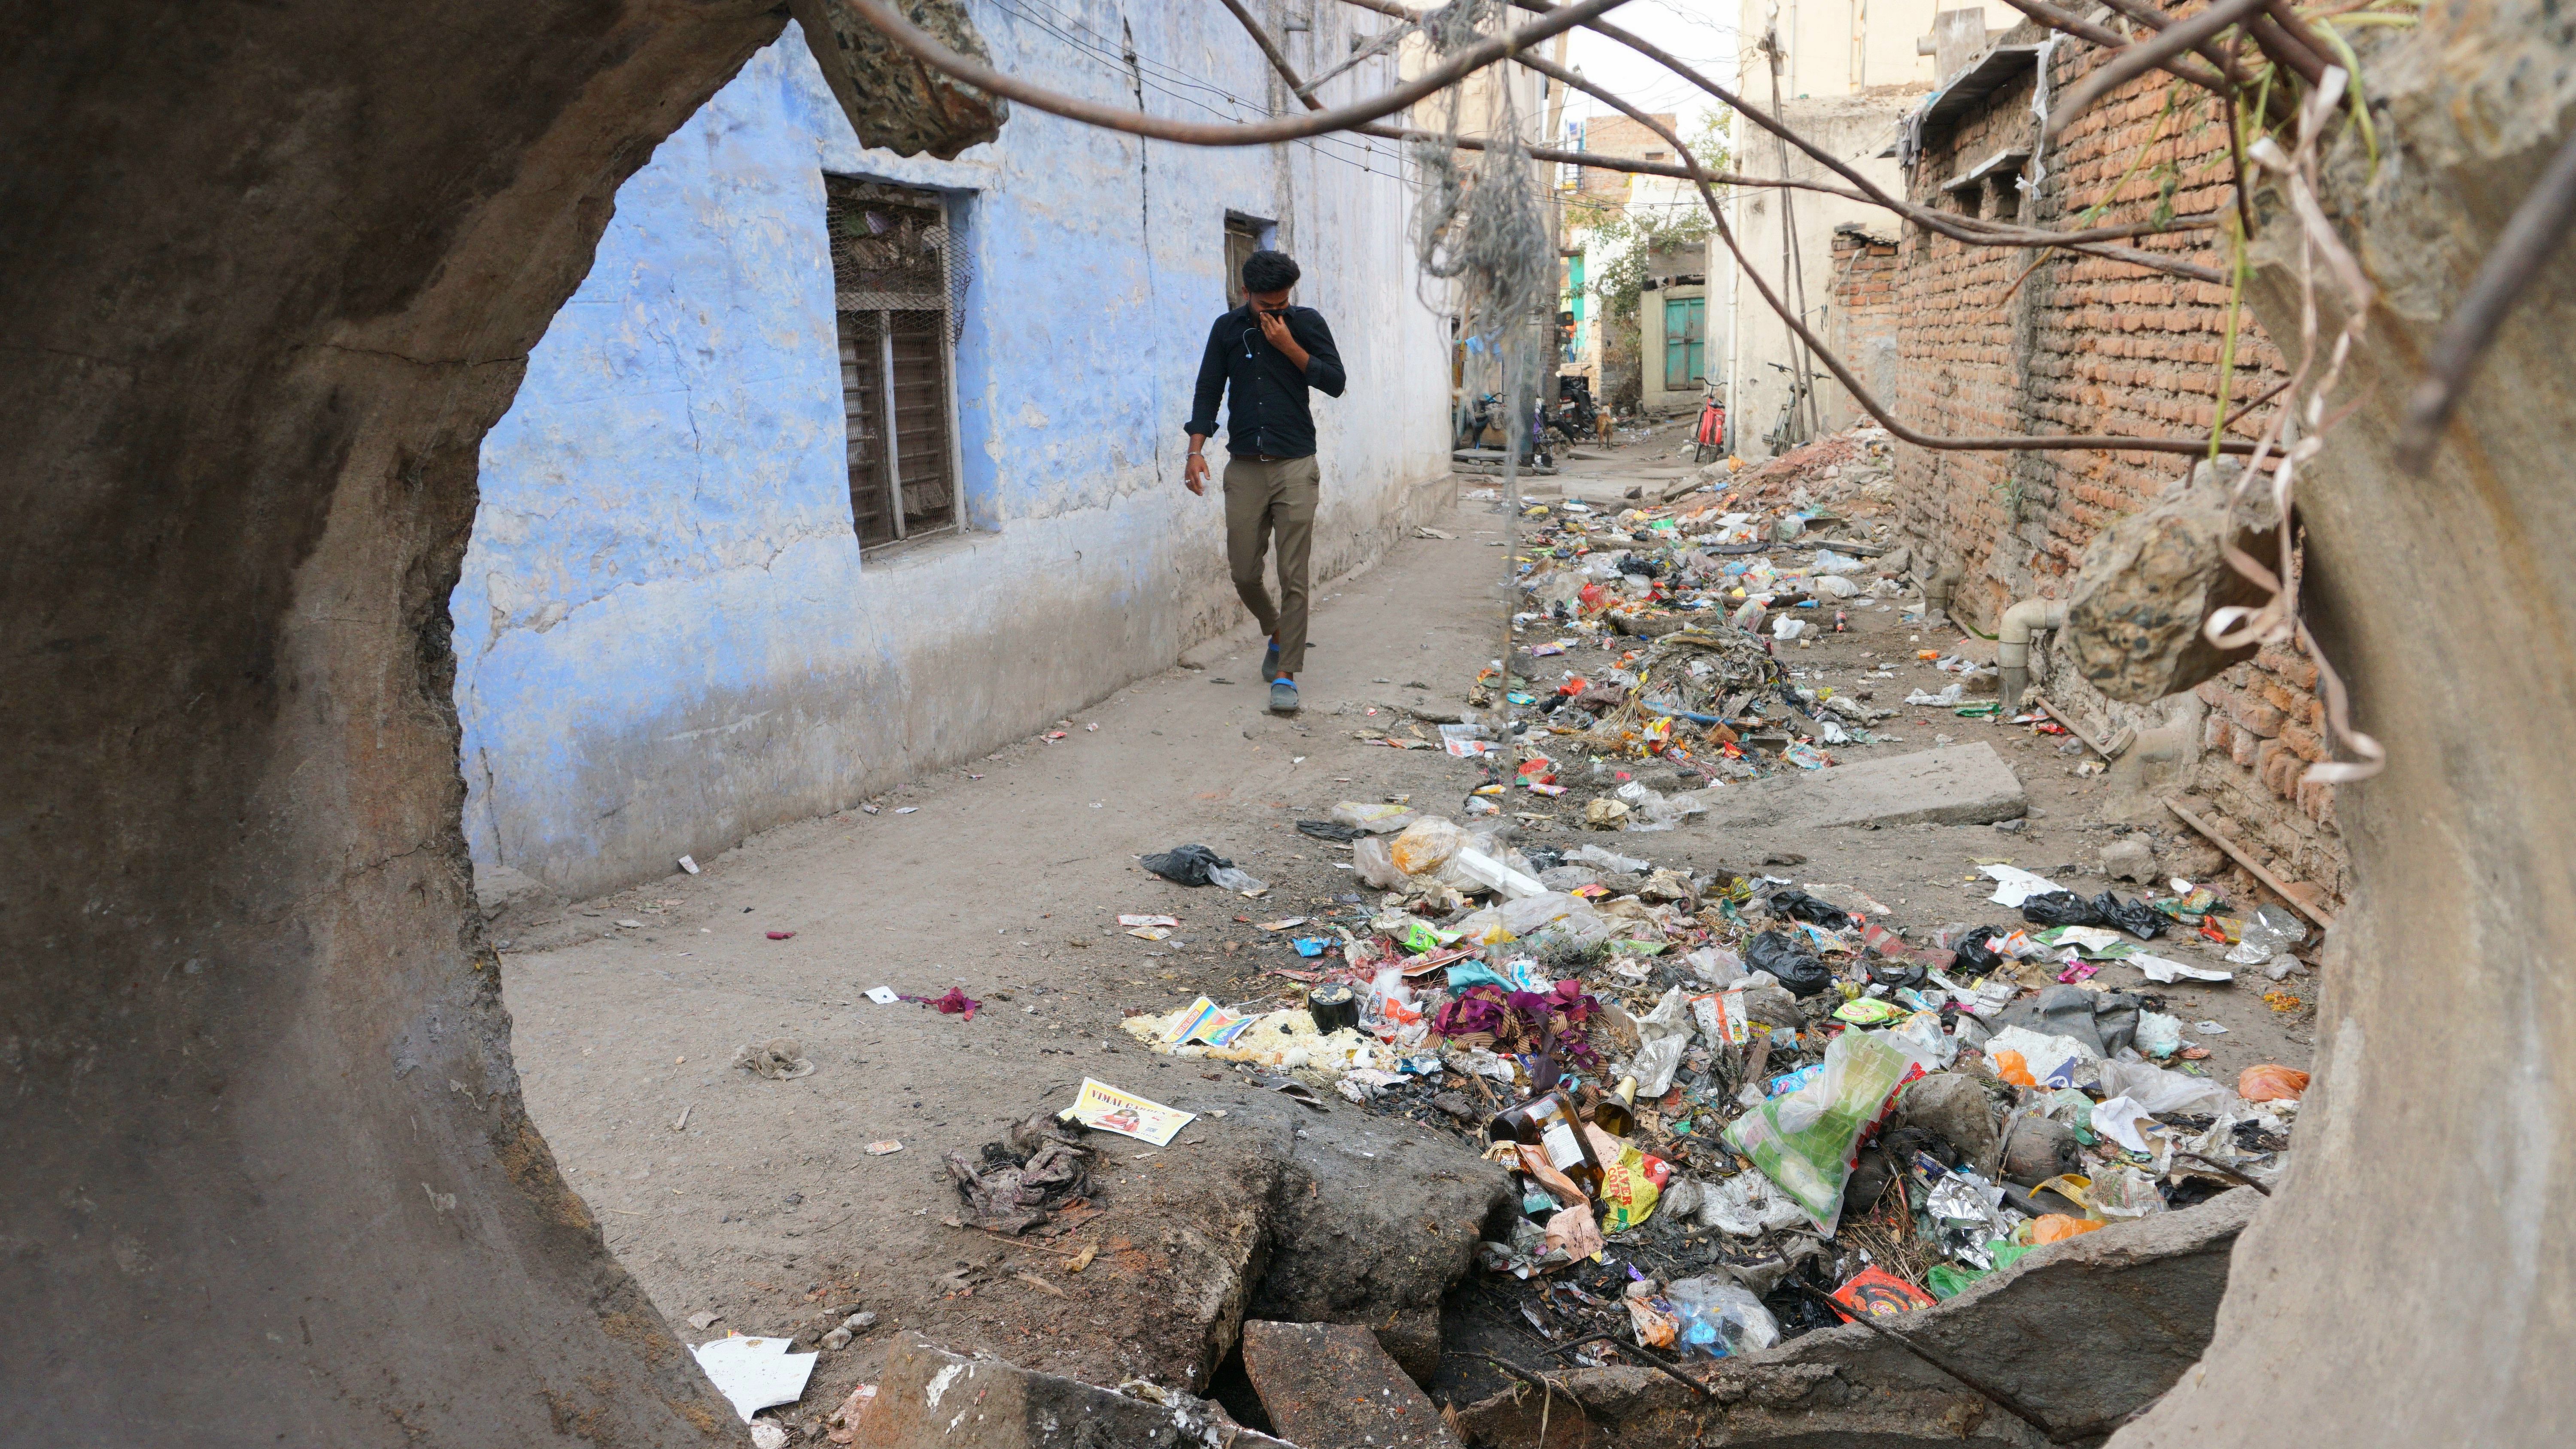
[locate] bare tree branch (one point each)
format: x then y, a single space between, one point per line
2067 23
2530 237
929 49
2131 62
1278 58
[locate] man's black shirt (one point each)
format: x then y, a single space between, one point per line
1266 416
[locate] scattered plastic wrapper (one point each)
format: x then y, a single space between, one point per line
755 1373
1876 1293
2269 932
1967 1216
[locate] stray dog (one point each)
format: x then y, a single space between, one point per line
1601 425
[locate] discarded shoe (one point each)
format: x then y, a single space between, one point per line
1283 696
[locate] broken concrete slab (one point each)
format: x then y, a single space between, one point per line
1356 1240
930 1398
1329 1385
1260 1208
2140 1298
1952 785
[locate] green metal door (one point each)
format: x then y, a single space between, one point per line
1685 342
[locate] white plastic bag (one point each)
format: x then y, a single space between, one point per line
1716 965
1665 1033
1369 854
1747 1205
2160 1091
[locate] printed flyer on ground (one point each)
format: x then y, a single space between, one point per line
1111 1110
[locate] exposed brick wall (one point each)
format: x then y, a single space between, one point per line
1860 323
1620 136
1989 343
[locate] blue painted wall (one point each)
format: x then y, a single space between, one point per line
666 635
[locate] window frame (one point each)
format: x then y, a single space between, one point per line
881 337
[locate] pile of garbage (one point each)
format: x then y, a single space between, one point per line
1774 1108
1693 599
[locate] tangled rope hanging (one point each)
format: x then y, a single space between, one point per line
1480 229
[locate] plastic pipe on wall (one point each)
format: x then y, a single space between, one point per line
2012 645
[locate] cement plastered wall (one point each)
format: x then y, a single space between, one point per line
1853 129
665 632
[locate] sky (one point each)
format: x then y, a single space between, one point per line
1698 32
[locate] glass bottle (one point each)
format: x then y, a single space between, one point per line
1548 1122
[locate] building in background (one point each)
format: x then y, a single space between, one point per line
1845 74
842 466
1633 271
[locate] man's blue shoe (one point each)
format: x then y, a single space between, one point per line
1283 696
1270 663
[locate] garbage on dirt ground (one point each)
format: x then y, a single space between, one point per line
1017 1183
755 1373
779 1060
1196 865
1691 603
1727 1095
1736 1081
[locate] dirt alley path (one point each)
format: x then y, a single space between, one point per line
759 1202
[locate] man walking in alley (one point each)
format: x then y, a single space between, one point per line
1267 354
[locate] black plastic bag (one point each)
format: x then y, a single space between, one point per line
2060 908
1897 975
1789 961
1791 905
1328 830
1189 865
1975 956
2135 917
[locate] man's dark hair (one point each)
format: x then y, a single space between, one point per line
1269 272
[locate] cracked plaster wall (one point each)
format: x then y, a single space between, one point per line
666 635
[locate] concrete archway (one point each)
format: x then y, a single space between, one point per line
267 274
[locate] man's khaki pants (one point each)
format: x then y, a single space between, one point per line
1265 497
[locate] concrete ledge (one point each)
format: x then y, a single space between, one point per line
1953 785
930 1397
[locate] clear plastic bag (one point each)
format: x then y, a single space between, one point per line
1376 866
2269 932
1805 1141
1612 860
1525 916
1426 845
1226 877
1720 1318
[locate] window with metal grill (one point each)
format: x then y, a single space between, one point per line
896 282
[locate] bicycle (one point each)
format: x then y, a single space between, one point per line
1791 430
